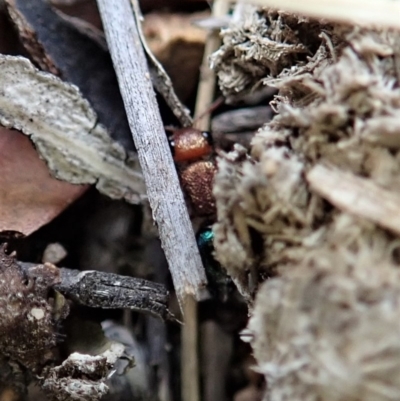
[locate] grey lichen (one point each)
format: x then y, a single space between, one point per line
348 94
268 199
262 45
328 328
307 222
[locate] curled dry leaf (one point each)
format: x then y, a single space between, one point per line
80 377
65 131
29 196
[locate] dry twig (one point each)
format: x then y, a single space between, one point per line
163 189
205 91
105 290
205 94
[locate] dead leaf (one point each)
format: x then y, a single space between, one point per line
29 196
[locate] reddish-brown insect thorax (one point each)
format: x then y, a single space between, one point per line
190 147
190 144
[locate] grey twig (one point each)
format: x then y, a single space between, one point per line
163 189
112 291
107 290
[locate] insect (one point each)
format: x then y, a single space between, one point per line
189 144
193 152
220 285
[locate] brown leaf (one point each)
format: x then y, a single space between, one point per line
29 196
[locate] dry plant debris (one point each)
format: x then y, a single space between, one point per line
159 78
312 211
328 329
39 324
307 219
262 45
327 106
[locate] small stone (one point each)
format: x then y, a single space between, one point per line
37 313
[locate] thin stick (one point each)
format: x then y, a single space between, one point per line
205 91
190 355
163 188
205 94
385 13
